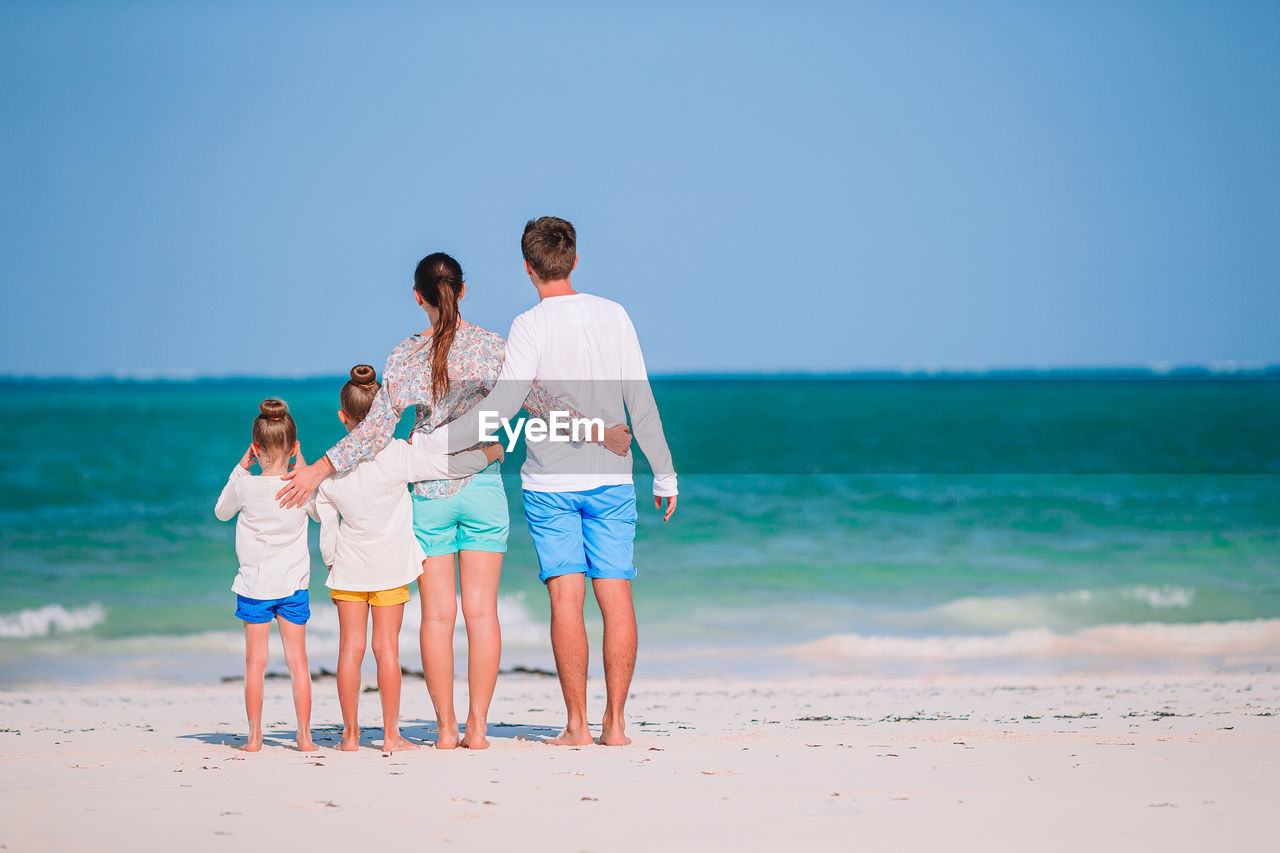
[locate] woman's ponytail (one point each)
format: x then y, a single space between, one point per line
438 279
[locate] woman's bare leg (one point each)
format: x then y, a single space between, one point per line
478 574
353 627
295 655
255 667
438 595
386 648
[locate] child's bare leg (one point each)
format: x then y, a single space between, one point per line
479 572
386 648
353 627
256 650
295 655
439 613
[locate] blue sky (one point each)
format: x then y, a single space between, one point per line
220 188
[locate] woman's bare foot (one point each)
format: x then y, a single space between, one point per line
306 744
447 738
475 736
572 737
396 743
253 744
350 741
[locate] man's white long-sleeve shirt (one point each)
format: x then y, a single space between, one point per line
582 349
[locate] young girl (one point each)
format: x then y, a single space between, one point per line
275 566
373 555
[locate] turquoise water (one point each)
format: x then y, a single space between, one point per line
824 525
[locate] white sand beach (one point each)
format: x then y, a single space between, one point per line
1110 762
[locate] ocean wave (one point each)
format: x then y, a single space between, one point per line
1148 640
1075 608
50 619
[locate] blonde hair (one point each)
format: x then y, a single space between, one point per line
357 395
273 429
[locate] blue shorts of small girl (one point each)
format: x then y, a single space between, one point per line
473 519
294 608
591 532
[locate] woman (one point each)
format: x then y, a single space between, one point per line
443 372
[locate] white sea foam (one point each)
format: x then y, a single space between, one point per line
1162 596
50 619
1147 640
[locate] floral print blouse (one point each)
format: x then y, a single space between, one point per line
475 358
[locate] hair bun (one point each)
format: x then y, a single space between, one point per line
273 408
363 374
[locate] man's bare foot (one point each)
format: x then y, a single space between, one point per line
447 738
396 743
613 737
572 737
306 744
350 741
253 744
475 736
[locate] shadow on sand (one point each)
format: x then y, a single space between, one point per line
371 736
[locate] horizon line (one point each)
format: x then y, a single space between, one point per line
910 371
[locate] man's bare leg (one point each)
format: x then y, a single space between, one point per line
614 597
569 643
439 599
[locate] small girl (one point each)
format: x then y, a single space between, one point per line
373 554
275 566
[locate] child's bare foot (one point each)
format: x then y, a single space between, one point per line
475 736
447 738
572 737
253 744
350 740
395 743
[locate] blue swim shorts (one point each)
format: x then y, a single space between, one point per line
591 532
474 519
294 608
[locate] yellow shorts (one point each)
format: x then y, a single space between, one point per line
381 598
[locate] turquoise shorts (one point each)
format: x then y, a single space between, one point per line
474 519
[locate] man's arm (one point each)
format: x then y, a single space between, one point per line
646 423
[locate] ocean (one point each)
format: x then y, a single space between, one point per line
879 524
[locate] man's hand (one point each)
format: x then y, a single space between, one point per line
494 452
617 439
302 481
671 506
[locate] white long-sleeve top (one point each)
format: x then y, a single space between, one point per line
366 515
271 541
583 350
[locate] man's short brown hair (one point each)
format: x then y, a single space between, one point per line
550 245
